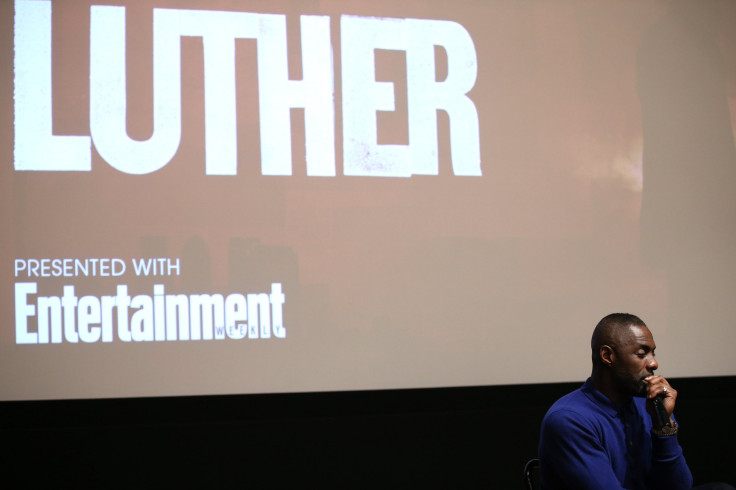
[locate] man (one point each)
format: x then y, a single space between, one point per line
606 434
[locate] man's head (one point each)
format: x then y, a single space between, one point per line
623 355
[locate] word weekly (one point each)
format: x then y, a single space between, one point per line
38 149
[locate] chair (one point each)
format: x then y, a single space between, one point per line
531 475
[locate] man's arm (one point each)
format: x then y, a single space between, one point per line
669 469
571 455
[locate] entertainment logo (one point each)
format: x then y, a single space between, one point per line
43 319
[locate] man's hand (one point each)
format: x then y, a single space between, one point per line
657 385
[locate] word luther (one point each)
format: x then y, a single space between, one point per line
38 149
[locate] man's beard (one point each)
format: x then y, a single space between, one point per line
630 385
642 387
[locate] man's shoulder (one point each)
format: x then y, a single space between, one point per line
574 407
574 401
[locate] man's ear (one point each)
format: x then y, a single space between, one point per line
608 356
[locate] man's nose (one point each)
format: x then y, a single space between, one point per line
653 364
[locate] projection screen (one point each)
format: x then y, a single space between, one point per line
236 196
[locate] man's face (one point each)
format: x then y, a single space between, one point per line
634 360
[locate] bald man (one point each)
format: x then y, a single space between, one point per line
606 434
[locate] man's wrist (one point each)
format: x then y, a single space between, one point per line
667 430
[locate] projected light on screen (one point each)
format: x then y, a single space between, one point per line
359 195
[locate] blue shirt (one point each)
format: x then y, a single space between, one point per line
589 442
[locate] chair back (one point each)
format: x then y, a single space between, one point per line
531 475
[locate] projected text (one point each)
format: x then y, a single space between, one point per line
38 149
145 318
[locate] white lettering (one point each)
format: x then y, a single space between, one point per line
277 315
49 318
69 303
107 92
105 267
426 96
89 315
207 313
23 310
363 96
161 266
122 300
258 309
315 93
177 314
159 317
141 323
108 303
37 149
235 314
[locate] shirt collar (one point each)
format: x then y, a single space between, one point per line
611 408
